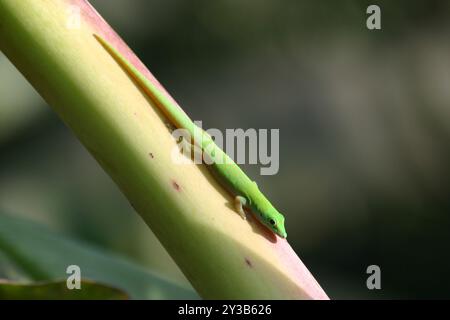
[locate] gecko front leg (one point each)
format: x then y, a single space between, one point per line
239 203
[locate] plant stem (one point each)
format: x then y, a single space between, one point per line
221 254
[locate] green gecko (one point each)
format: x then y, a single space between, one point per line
226 171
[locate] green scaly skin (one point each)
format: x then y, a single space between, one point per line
228 173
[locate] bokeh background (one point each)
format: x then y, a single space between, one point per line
364 123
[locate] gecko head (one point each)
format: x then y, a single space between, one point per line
276 224
268 215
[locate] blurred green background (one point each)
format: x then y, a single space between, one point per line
364 123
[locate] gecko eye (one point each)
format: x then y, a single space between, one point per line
272 222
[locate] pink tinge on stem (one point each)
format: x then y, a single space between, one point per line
298 270
99 26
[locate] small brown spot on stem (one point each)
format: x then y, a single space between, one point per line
248 262
151 155
176 185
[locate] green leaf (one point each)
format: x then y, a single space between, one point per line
58 290
43 255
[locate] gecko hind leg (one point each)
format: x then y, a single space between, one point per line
239 203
